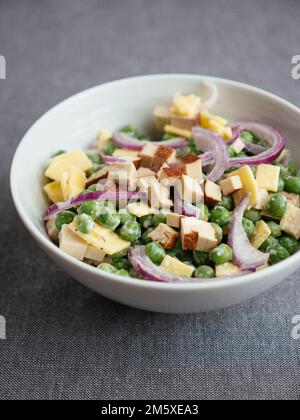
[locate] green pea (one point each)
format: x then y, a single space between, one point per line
220 216
126 217
204 272
275 229
85 224
134 274
283 171
221 255
64 218
227 202
108 268
109 148
120 254
201 258
278 254
242 154
158 219
167 136
179 253
253 215
219 232
155 252
277 205
292 168
249 227
122 272
281 185
292 185
145 236
121 264
129 128
109 220
269 243
246 135
204 212
94 157
58 153
91 208
146 221
231 152
289 243
131 232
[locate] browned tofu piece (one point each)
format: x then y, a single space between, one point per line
147 155
185 123
163 155
292 198
162 116
290 223
174 220
192 165
159 196
172 173
213 193
144 184
124 175
197 235
144 172
97 176
165 236
231 185
191 190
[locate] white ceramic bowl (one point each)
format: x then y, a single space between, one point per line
75 123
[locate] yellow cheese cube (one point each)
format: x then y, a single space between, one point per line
186 106
170 129
175 267
54 191
227 270
103 138
101 238
262 233
267 177
249 183
61 164
216 124
290 223
72 182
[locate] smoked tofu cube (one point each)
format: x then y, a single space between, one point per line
101 238
161 116
197 235
147 155
185 123
71 244
103 138
192 190
176 268
97 176
192 165
165 236
290 223
292 198
163 155
186 106
61 164
52 230
238 145
262 233
72 182
249 183
213 193
159 196
145 172
180 132
231 185
174 220
262 199
124 174
95 255
227 270
144 184
139 209
54 192
207 240
171 173
267 177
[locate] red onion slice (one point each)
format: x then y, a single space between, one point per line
149 271
110 160
245 255
184 208
89 196
213 96
207 141
125 141
267 156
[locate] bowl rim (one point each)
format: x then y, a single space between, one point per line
49 245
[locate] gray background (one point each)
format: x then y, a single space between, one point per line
64 341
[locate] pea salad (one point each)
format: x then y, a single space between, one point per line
208 199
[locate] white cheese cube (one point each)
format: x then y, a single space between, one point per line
238 145
227 270
290 223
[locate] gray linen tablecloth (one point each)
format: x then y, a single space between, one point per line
64 341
